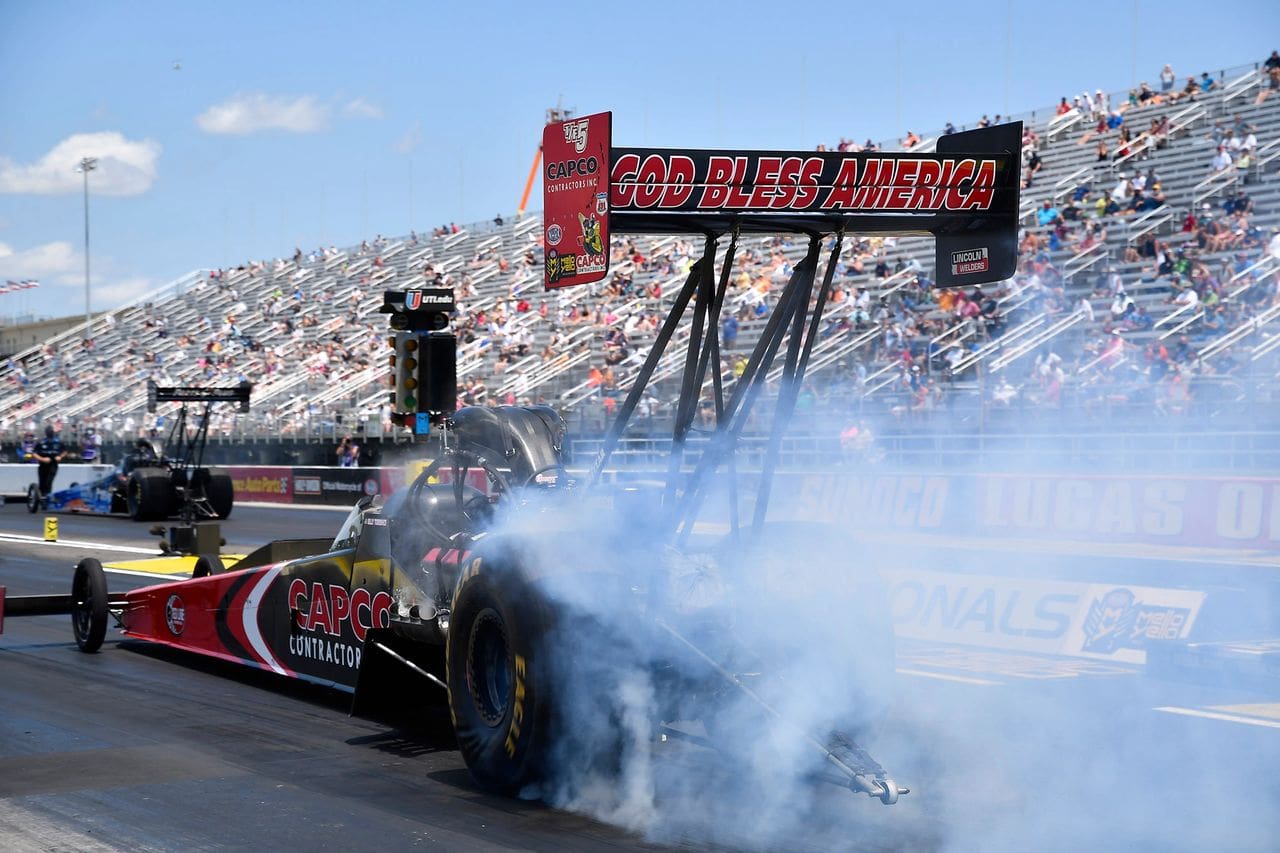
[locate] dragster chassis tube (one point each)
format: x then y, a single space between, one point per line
885 789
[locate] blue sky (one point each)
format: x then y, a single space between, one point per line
302 124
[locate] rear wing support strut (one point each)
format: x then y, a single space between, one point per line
793 378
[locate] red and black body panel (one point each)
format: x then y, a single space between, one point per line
304 619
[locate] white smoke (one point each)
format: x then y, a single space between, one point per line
1027 763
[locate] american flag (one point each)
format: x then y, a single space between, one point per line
11 286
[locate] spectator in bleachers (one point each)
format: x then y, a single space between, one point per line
1047 215
1123 144
1034 165
1221 161
1250 141
729 331
1217 134
1167 78
1120 192
1188 91
1207 83
1239 203
1272 84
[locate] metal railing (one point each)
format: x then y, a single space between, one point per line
1070 182
1240 86
1031 343
1149 222
1085 259
1215 183
1061 123
1240 332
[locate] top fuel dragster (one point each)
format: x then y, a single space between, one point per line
520 593
146 485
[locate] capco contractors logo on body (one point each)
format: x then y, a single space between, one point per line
331 614
969 261
175 615
714 181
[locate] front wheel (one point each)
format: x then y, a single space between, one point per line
89 605
206 565
33 498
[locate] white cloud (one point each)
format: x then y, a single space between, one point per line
360 108
125 166
113 292
254 112
59 267
39 262
409 140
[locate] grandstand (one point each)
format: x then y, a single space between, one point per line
306 332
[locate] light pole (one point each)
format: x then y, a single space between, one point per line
87 165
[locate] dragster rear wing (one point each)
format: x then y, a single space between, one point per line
169 394
965 195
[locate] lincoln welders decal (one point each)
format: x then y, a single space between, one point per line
969 261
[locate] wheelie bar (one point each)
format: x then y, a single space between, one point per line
44 605
858 779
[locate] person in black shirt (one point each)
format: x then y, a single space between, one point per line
48 453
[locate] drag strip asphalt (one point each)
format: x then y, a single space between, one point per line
143 748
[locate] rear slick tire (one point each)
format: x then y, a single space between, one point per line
221 494
498 677
149 495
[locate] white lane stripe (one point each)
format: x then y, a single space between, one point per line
76 543
274 505
158 577
250 617
1215 715
944 677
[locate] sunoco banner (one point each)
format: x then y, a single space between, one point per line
1218 512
